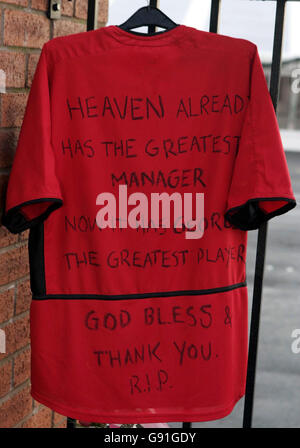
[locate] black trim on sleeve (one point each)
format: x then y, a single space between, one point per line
249 215
16 222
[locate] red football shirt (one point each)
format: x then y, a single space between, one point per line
143 324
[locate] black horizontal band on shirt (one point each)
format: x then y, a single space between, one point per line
145 295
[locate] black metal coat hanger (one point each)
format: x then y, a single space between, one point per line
148 16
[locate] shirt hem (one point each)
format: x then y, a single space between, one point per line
141 418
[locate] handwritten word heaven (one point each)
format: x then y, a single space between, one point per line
136 108
138 216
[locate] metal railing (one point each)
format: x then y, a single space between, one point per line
263 229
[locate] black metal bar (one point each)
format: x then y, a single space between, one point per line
91 15
254 328
262 233
71 423
214 16
151 28
277 47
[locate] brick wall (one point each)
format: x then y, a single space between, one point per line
24 28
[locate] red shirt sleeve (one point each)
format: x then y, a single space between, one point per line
261 185
33 190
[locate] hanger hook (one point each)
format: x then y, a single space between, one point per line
149 1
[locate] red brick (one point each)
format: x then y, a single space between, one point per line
81 7
13 64
5 375
23 236
24 296
25 29
14 264
17 335
15 408
8 144
67 8
40 419
35 404
6 304
63 424
65 27
6 237
17 2
13 109
22 367
103 12
3 75
57 418
41 5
